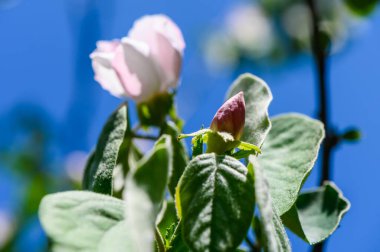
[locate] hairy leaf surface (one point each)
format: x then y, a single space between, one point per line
99 168
215 199
79 220
274 237
257 97
317 213
288 155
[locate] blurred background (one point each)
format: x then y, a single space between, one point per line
51 109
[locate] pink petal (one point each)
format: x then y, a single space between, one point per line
104 72
136 70
144 29
107 46
166 42
230 117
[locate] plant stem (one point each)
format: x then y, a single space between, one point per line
320 58
146 137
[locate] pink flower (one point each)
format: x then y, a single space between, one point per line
230 117
145 63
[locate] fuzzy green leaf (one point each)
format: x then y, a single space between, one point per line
215 198
257 97
288 155
144 192
317 213
81 221
273 233
180 158
177 244
99 169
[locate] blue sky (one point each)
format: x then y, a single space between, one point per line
42 63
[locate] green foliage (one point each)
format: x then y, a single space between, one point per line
351 135
215 199
144 192
215 194
317 213
180 158
99 168
289 153
167 218
273 235
154 111
79 221
257 97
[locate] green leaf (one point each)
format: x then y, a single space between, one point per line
351 135
180 158
177 244
197 146
361 7
144 192
80 221
317 213
167 217
116 239
99 169
257 97
273 235
288 155
215 199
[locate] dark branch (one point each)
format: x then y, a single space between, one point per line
320 54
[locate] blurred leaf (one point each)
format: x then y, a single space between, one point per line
351 135
215 198
116 239
99 169
317 213
257 97
361 7
155 111
272 236
289 154
180 158
80 221
144 192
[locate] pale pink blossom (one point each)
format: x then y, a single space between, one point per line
143 64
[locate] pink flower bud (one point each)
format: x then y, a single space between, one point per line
230 117
145 63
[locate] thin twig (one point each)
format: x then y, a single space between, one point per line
320 58
146 137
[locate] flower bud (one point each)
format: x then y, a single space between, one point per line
230 117
144 64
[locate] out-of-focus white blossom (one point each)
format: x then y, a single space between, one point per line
250 28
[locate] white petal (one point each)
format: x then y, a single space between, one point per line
144 29
105 74
166 42
169 60
139 75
